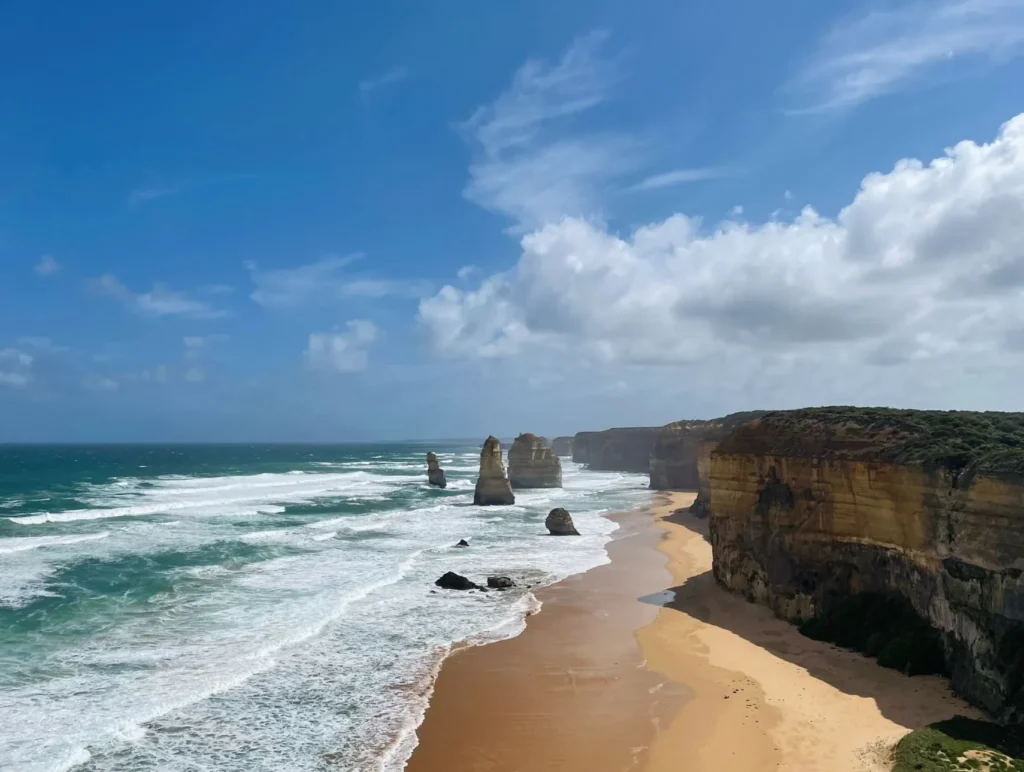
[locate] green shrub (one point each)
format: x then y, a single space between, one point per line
940 746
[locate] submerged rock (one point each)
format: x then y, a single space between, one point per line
454 581
500 583
492 486
435 474
559 523
532 464
462 543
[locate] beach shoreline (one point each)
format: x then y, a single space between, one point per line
644 662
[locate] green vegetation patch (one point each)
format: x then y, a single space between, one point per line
951 439
961 745
882 626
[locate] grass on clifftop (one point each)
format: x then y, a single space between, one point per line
961 745
954 439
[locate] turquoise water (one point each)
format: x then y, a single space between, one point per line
254 607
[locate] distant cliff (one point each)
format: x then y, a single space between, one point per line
890 531
674 463
562 446
616 450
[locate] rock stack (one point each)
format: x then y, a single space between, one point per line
562 446
435 474
559 523
532 464
492 486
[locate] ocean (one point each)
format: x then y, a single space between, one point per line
255 607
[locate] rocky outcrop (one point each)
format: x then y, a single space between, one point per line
500 583
453 581
675 456
616 450
492 486
532 464
559 523
435 474
562 446
812 510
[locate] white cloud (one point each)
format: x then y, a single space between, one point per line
343 352
161 300
15 367
322 281
883 51
140 196
788 195
99 383
737 210
680 177
195 375
525 165
923 269
47 266
389 78
196 345
158 374
466 271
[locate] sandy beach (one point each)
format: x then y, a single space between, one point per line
646 664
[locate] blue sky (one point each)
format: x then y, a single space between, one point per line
337 221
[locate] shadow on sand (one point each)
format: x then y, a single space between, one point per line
703 599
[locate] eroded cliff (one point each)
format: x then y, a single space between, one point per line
562 446
674 462
616 450
811 507
532 464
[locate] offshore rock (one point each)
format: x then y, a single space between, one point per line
562 446
492 486
532 464
814 512
683 446
559 523
435 474
500 583
453 581
462 543
616 450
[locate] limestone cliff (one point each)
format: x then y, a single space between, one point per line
492 486
435 474
562 446
616 450
809 508
674 457
532 464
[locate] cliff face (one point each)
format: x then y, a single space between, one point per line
812 506
676 451
562 446
492 486
616 450
532 464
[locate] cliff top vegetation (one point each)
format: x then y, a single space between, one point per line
955 440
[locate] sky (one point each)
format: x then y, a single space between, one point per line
323 221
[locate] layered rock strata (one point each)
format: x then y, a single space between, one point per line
435 474
616 450
675 457
562 446
532 464
492 486
810 508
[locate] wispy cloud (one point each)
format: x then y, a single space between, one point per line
140 196
884 51
100 383
395 75
342 351
161 300
47 266
15 367
680 177
323 281
527 164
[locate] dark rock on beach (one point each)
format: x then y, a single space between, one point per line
500 583
559 523
454 581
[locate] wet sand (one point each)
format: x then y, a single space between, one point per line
646 664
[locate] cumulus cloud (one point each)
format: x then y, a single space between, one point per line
161 300
47 266
323 281
342 351
926 261
886 50
15 367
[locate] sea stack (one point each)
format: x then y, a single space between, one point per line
492 486
562 446
559 523
532 464
435 474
